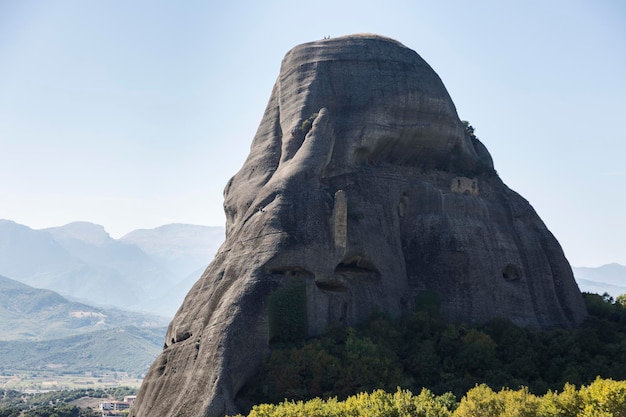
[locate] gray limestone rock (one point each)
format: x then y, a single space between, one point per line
362 192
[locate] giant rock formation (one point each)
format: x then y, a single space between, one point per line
362 192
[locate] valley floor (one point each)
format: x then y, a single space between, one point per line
36 382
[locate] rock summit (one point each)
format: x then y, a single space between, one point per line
363 192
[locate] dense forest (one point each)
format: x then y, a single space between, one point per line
425 350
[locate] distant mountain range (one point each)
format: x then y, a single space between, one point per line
609 278
35 314
124 349
40 329
146 270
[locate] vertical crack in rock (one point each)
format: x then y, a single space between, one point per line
340 220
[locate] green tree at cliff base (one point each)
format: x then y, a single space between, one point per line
425 350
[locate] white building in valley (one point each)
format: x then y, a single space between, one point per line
114 408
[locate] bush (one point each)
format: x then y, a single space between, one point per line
376 404
602 398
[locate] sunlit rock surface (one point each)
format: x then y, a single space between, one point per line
362 192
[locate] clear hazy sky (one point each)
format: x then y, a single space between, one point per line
134 114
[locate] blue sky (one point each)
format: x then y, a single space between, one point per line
134 114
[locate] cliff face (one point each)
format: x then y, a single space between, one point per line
362 192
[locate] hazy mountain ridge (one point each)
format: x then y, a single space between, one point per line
142 271
34 314
40 329
127 349
180 247
26 253
610 278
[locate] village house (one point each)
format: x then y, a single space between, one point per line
114 407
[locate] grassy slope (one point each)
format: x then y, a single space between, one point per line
34 314
129 349
40 329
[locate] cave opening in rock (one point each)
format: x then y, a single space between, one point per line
511 273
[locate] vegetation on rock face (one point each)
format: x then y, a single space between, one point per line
287 313
470 130
306 125
462 166
603 397
426 351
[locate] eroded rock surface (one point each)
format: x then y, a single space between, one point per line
361 192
